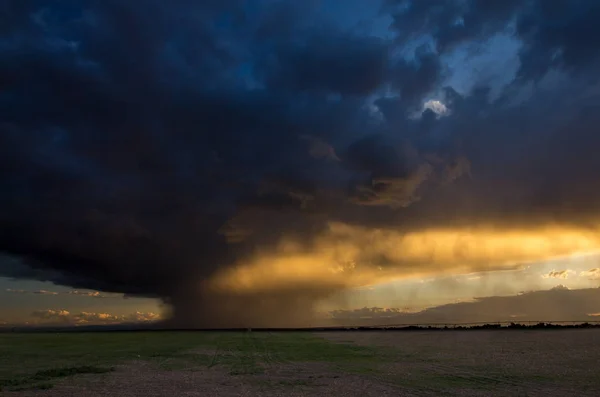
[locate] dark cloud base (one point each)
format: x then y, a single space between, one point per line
143 149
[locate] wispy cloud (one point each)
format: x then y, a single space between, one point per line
592 274
17 291
427 280
91 294
562 274
44 292
94 294
368 313
50 314
36 292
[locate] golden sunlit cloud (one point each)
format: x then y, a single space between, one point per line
592 274
348 256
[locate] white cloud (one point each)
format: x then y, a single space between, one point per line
436 106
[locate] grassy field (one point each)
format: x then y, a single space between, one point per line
45 358
369 363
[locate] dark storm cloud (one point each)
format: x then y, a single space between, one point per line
416 78
144 148
340 64
452 22
560 32
130 136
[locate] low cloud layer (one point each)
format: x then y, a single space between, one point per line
64 317
36 292
243 160
90 294
557 304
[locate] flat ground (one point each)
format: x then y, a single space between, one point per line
416 363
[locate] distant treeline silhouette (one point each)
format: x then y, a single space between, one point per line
403 327
540 325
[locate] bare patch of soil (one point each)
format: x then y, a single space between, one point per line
145 379
488 363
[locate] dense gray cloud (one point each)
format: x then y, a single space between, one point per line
145 149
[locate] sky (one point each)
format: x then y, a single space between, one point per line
280 163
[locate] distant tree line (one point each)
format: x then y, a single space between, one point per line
430 327
540 325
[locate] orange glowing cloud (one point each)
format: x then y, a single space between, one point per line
348 256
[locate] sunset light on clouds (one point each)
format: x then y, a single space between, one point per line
282 163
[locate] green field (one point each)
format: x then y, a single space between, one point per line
490 363
45 358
